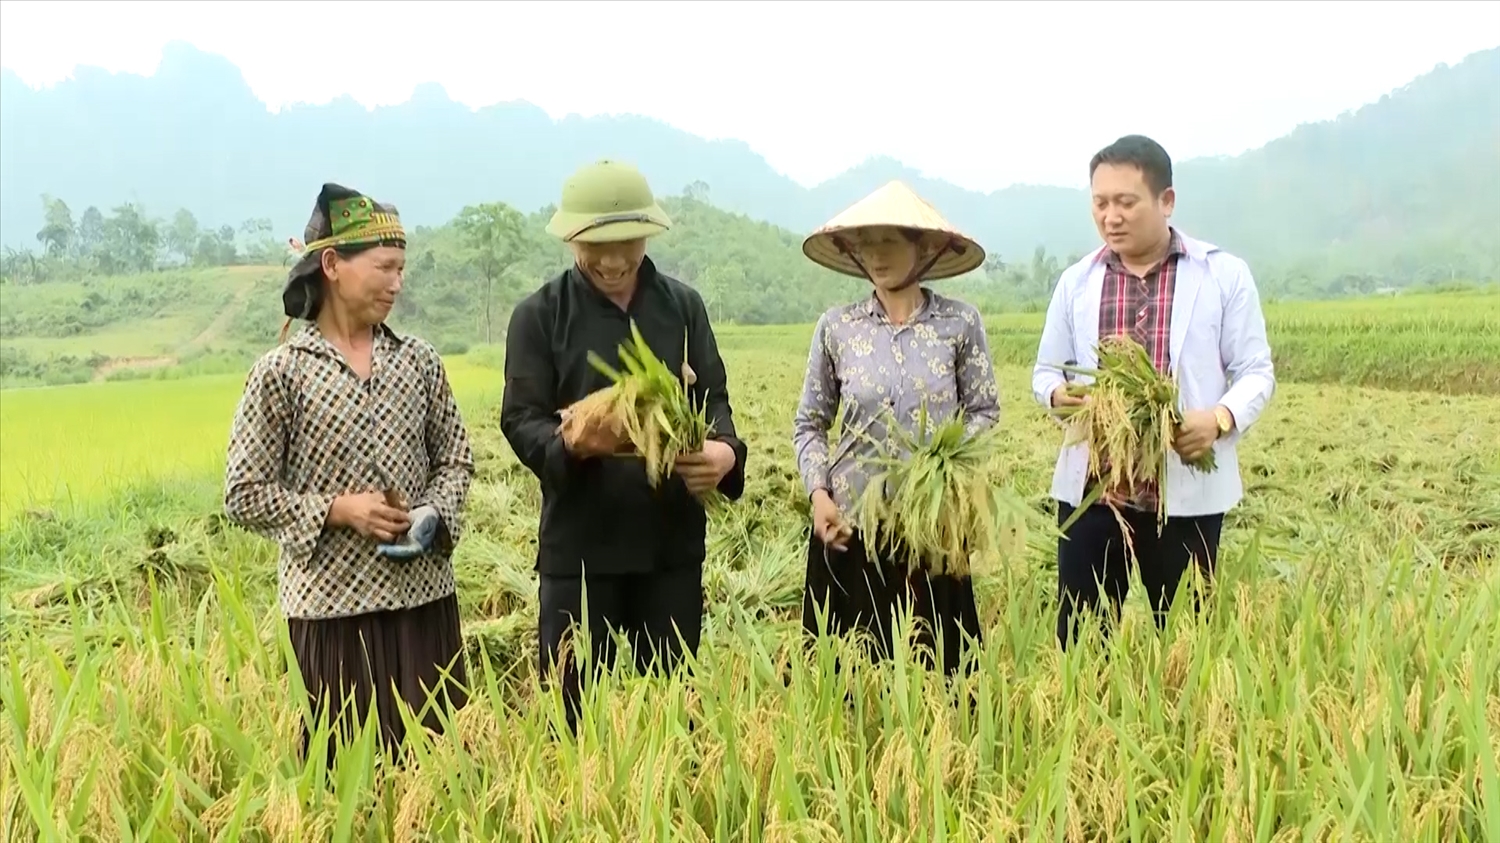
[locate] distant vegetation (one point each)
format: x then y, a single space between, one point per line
130 286
128 240
126 295
191 321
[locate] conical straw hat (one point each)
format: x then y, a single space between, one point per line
892 205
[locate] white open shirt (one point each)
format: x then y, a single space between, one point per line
1218 351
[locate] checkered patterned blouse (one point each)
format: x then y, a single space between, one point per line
308 429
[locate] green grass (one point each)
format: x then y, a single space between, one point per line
187 299
88 441
1445 342
146 338
1343 683
49 331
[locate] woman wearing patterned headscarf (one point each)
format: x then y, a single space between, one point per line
348 450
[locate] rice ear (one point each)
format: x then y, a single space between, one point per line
933 493
1131 420
653 410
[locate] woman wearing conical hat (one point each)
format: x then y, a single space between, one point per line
889 352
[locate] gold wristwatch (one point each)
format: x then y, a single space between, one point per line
1225 419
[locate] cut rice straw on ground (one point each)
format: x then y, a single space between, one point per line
648 405
935 496
1129 421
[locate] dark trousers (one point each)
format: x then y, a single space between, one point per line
651 609
381 659
861 592
1094 553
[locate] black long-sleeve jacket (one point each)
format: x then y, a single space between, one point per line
600 514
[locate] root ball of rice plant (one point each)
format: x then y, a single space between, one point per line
649 405
934 498
1130 420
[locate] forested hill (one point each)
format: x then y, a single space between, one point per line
1400 189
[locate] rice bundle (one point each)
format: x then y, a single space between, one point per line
648 405
935 498
1130 420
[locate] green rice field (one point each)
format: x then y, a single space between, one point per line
1342 684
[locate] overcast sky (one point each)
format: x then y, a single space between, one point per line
980 94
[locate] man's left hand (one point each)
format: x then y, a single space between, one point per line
1196 435
704 470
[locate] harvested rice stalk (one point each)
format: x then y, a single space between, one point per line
649 405
1130 420
936 499
597 408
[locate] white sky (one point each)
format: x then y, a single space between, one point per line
981 94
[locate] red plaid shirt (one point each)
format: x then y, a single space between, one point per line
1142 309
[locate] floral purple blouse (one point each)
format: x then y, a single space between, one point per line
871 365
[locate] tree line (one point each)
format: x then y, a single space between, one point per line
128 241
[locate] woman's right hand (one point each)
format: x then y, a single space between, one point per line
370 516
828 523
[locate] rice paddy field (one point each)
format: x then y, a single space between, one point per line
1341 684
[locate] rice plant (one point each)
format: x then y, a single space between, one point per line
649 404
935 497
1129 421
1342 682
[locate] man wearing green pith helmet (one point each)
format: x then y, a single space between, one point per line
637 551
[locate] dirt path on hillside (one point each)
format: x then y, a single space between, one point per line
117 364
220 324
214 330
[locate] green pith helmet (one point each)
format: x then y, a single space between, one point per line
607 202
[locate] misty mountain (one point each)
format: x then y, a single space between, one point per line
1400 186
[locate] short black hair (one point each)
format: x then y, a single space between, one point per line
1141 152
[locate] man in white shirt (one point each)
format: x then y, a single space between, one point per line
1195 309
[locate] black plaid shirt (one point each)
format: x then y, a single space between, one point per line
308 429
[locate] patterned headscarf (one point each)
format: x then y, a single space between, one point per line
345 220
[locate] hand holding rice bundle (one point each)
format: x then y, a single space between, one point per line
647 408
1130 419
591 427
937 498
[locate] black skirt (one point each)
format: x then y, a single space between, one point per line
387 656
862 594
